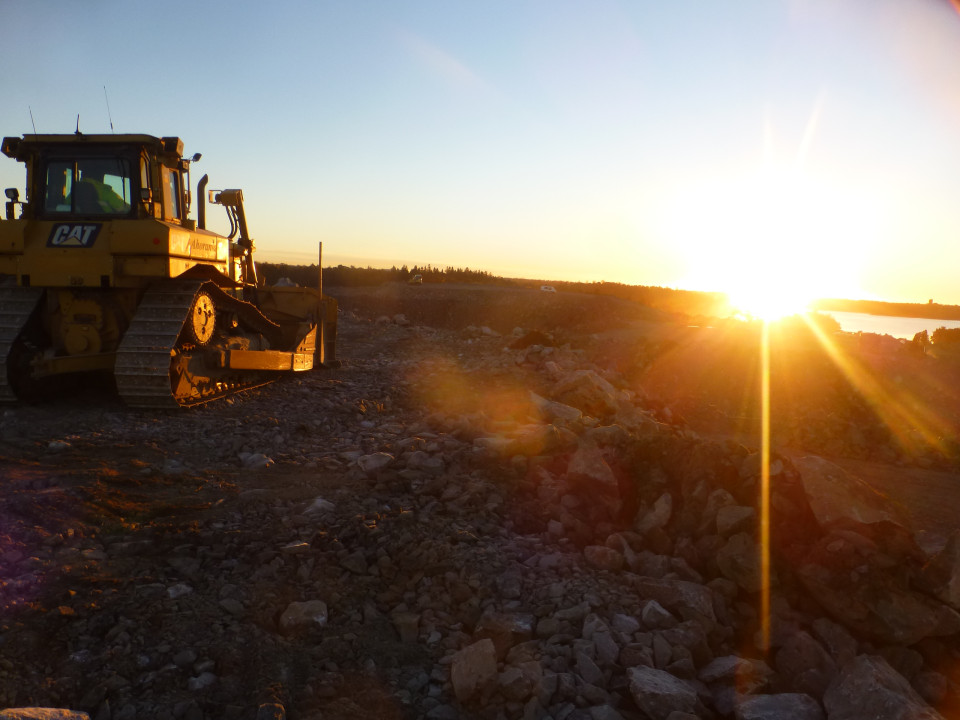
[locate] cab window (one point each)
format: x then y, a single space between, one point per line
144 173
171 194
59 187
87 186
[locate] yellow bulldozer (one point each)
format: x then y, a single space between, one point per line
101 269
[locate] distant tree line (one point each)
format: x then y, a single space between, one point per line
941 337
350 276
944 336
929 309
303 275
943 342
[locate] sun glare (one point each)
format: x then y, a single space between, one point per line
773 241
777 235
769 303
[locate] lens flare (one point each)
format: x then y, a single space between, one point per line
912 424
765 487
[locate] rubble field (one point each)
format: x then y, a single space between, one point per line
505 504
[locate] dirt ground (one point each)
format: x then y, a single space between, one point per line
105 509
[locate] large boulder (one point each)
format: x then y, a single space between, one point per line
867 687
473 671
590 393
656 517
588 472
373 463
658 693
805 666
748 675
303 616
553 411
941 576
689 600
862 575
504 629
835 495
740 561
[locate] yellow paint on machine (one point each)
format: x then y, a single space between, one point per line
148 248
266 360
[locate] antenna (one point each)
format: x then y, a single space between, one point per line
109 116
31 120
78 124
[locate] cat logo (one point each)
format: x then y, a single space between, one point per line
74 235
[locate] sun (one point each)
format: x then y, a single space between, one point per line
766 303
773 240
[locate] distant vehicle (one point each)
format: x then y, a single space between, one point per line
416 280
547 288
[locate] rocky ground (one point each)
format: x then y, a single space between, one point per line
482 514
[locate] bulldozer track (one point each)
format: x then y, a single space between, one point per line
142 370
16 306
149 350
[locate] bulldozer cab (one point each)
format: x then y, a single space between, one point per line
102 177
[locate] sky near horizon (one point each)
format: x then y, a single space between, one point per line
757 146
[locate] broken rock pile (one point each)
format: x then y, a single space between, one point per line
583 556
861 620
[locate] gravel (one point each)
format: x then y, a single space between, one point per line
456 523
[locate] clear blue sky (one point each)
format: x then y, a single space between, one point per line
764 144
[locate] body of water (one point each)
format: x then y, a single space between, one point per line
899 327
